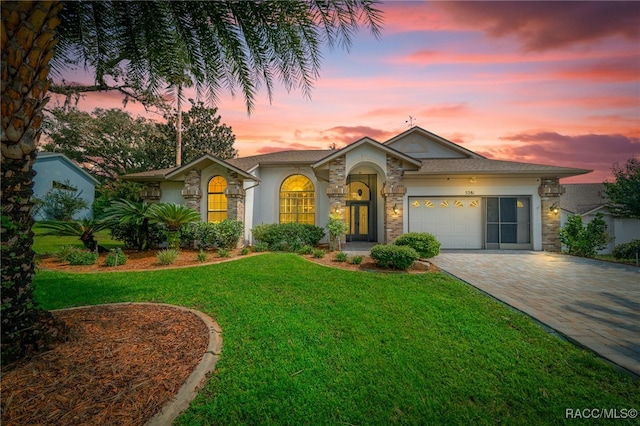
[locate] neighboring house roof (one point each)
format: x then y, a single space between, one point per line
582 198
480 166
44 156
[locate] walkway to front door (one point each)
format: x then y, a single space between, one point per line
591 302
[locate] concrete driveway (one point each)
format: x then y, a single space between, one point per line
594 303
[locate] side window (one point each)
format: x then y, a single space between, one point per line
216 199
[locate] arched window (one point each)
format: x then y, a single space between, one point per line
216 199
297 200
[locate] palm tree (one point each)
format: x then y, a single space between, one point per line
85 230
130 212
173 216
133 47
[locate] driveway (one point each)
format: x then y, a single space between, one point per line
594 303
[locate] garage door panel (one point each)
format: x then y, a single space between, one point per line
455 221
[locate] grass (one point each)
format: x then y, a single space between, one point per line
307 344
46 241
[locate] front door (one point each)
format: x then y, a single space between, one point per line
358 221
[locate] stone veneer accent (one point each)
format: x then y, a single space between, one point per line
550 191
192 193
337 192
393 193
151 192
235 197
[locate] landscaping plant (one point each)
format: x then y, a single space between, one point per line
392 256
337 228
167 256
115 257
583 240
424 243
85 230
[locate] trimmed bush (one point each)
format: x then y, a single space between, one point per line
228 233
167 256
319 253
340 257
393 256
115 257
244 251
357 260
305 250
287 236
223 252
626 250
260 247
83 258
424 243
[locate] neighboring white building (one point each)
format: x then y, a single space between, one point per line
55 170
415 181
589 199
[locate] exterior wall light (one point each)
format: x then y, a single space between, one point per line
554 208
336 210
396 210
473 179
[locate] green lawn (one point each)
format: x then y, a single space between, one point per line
46 241
306 344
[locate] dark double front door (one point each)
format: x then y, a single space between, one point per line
361 209
358 220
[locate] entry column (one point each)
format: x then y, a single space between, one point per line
550 191
393 195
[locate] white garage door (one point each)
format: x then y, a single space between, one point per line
455 221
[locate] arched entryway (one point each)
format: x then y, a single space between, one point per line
361 213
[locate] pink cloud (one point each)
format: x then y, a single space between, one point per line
549 25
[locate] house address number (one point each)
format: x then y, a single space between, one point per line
469 192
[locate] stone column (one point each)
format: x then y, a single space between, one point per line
151 192
550 191
337 193
192 193
235 198
393 193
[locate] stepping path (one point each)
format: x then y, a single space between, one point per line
593 303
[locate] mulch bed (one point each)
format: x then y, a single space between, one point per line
120 365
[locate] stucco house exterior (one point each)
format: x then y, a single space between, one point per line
589 199
414 182
55 170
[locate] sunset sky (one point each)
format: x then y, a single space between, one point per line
552 83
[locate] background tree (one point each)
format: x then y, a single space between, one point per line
624 193
202 132
132 47
108 142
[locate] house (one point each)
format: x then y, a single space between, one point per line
55 170
589 199
414 182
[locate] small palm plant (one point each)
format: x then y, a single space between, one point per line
173 216
85 230
134 213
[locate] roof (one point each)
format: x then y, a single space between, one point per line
435 138
581 198
45 156
480 166
373 143
281 157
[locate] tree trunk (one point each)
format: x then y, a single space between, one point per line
28 39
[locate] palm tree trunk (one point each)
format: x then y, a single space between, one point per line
28 39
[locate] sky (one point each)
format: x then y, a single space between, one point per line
553 83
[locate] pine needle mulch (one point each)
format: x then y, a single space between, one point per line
120 365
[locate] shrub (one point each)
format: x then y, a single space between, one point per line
60 203
287 236
340 257
318 253
228 233
115 257
244 251
167 256
64 253
392 256
584 240
260 247
202 256
357 260
305 250
627 250
424 243
223 252
337 228
83 258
